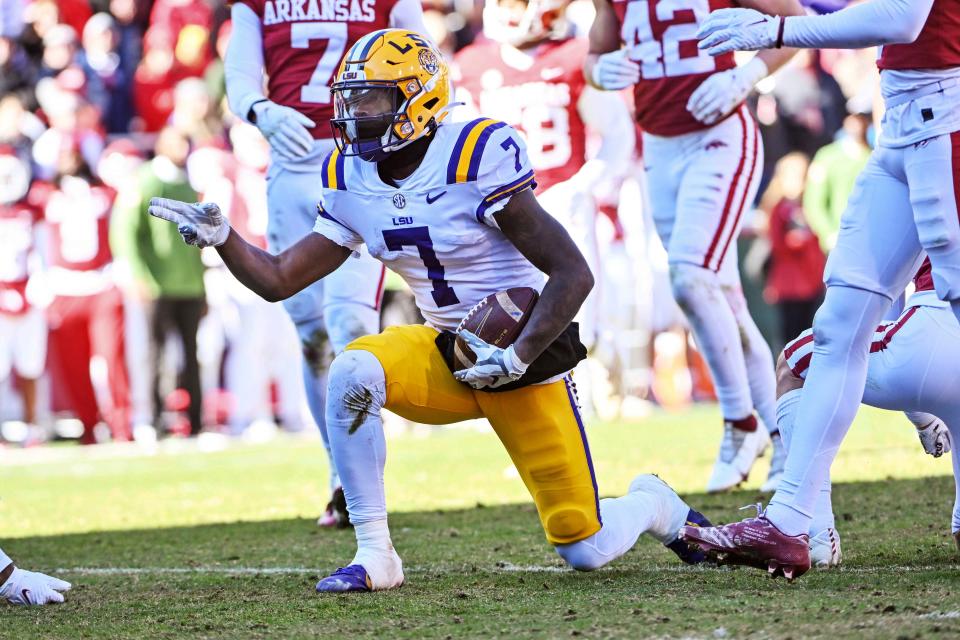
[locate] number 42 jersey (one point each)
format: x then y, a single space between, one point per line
437 230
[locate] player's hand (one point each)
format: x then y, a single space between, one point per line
721 93
728 30
614 71
29 587
494 366
287 130
935 438
200 224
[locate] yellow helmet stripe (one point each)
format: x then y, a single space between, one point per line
471 142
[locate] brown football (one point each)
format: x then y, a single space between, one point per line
497 319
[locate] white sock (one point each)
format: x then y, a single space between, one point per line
758 359
832 393
699 294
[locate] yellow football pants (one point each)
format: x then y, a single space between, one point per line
539 425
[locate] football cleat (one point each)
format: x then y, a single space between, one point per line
335 515
347 579
777 461
738 451
825 550
754 542
674 514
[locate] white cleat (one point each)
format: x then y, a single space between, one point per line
738 451
825 550
777 462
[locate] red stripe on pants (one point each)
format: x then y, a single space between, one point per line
730 194
743 201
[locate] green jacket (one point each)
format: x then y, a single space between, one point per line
157 255
830 182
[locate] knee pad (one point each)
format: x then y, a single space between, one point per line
693 284
356 387
315 345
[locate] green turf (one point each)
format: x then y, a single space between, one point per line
188 531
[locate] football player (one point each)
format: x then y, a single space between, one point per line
527 73
297 46
18 586
899 378
905 202
449 207
702 152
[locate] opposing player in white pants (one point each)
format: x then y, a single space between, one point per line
703 155
913 365
299 49
18 586
904 203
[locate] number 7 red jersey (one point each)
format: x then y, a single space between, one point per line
661 36
303 43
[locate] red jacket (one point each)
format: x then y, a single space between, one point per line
797 262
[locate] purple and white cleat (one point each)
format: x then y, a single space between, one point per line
345 580
690 554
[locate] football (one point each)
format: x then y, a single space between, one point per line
497 319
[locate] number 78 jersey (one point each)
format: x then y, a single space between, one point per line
661 35
303 43
437 230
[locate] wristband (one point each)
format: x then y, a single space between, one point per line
251 113
783 23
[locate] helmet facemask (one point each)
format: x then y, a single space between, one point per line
370 117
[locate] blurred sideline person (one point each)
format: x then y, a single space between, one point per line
528 74
170 275
913 367
298 48
905 203
18 586
702 151
450 208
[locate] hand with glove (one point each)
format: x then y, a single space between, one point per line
31 588
200 224
728 30
287 130
934 437
614 71
721 93
494 367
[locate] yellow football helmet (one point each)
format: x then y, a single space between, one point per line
393 87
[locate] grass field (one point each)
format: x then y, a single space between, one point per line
211 544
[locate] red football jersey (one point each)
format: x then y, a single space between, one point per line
79 226
540 101
303 44
937 46
923 281
17 223
661 35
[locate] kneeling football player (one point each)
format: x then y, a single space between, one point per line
449 207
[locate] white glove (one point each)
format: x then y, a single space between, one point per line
287 130
727 30
201 224
935 437
29 587
720 93
494 366
614 71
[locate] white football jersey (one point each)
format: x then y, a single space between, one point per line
437 229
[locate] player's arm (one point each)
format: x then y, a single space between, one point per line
408 14
272 277
876 22
607 66
547 245
18 586
606 114
721 93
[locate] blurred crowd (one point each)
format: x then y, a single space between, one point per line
112 328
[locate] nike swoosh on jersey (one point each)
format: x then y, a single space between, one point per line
433 198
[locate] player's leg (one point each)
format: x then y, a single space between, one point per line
718 185
107 341
933 173
24 344
541 429
69 342
401 370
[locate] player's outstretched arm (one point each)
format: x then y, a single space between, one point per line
18 586
272 277
607 66
545 243
876 22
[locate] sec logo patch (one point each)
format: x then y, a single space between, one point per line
399 201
